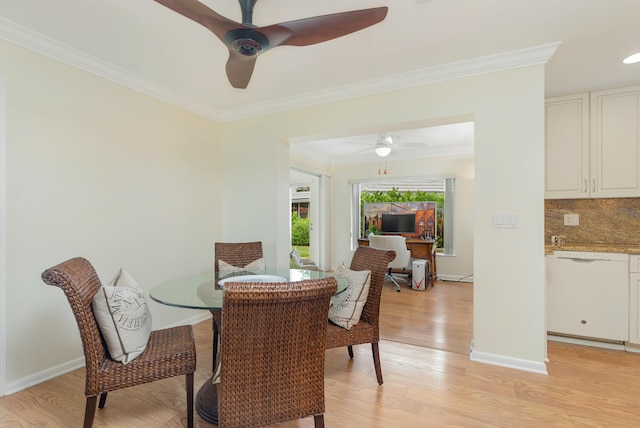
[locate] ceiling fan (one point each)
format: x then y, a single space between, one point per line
246 41
383 145
386 143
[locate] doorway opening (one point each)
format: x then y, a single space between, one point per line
307 215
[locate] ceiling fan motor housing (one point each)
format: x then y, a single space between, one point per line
246 41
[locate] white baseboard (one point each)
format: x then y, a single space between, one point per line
630 347
192 320
455 278
69 366
509 362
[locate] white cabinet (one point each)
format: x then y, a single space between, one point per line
634 299
615 142
567 147
592 145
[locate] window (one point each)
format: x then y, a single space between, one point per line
442 191
300 201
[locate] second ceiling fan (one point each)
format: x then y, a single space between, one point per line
246 41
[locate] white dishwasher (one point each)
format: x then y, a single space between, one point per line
588 295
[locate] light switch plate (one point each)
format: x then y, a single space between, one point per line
505 220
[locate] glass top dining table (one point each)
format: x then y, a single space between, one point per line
203 291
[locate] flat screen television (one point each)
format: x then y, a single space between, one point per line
398 223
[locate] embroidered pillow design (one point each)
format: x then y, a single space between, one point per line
226 269
123 317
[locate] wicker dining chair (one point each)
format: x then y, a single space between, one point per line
169 352
237 254
368 329
273 352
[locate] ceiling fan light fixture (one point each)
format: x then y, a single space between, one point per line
383 145
383 151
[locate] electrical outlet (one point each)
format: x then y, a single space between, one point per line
571 219
554 240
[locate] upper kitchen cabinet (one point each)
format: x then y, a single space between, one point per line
567 147
615 143
592 145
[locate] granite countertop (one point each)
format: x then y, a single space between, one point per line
601 248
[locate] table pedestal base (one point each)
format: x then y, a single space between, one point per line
207 402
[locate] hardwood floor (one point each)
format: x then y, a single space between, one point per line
440 317
423 387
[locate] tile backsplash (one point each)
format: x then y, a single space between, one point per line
601 221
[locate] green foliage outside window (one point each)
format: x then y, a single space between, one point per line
300 228
394 195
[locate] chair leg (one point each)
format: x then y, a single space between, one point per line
318 420
103 400
392 279
90 411
376 362
189 382
350 350
215 347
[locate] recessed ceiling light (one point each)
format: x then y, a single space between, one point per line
632 59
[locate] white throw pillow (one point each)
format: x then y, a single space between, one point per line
346 307
226 269
123 317
296 257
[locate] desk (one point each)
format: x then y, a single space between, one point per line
203 292
420 249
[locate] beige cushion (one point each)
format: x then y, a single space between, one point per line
225 269
123 317
346 307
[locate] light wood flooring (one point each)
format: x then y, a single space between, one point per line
440 317
423 386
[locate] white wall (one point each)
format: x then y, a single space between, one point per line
507 108
96 170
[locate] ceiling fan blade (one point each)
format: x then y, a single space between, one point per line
413 144
240 68
198 12
309 31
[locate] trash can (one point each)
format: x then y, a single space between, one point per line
420 274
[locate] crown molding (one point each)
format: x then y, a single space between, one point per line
488 64
37 42
51 48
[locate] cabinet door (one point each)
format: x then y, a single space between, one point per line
615 143
634 299
567 147
634 308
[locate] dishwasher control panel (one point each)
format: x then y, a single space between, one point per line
591 255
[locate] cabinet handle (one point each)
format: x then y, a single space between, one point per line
594 186
583 321
585 185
